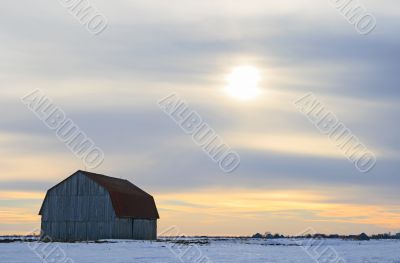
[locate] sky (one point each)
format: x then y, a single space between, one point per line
291 176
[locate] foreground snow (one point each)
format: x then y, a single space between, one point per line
217 250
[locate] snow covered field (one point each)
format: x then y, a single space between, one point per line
216 250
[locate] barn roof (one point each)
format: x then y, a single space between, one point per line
128 200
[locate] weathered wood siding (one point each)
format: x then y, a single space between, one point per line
79 209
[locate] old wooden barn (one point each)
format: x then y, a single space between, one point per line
89 206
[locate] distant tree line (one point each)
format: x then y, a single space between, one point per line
361 236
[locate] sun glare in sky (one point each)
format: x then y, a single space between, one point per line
243 83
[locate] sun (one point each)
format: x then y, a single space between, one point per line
243 83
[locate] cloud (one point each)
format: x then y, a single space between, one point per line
263 207
109 86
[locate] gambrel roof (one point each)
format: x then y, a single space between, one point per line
128 200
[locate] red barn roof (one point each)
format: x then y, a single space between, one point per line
128 200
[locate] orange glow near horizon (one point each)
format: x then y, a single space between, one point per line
250 212
235 212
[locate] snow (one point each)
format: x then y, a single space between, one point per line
212 249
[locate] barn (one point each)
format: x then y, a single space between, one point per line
88 206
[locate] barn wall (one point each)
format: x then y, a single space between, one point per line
79 209
145 229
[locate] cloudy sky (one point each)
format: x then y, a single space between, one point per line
291 176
